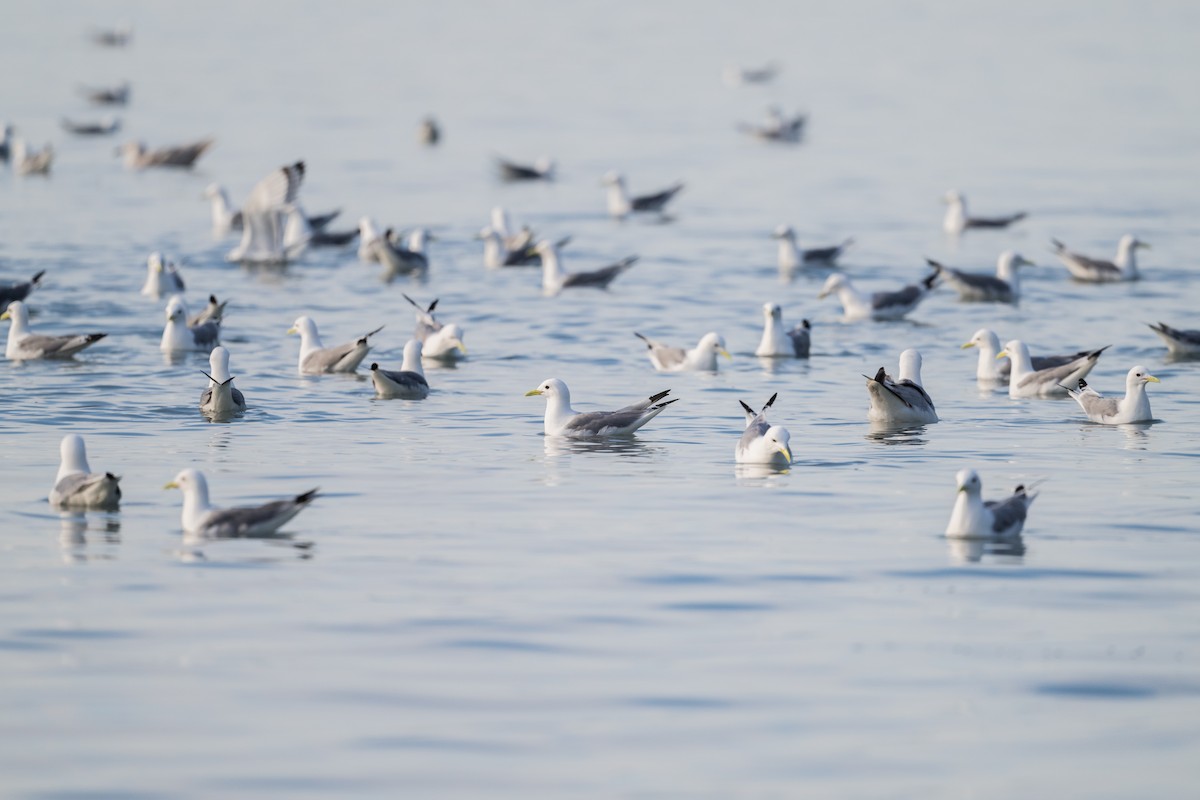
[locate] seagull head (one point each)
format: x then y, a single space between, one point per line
968 481
17 312
715 342
983 338
833 283
612 179
953 197
544 165
784 232
550 388
303 326
772 310
1140 376
176 311
779 439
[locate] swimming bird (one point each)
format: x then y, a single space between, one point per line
762 442
162 278
439 342
903 401
429 132
112 37
973 518
137 156
25 345
776 341
1003 287
1094 270
6 141
226 218
316 359
220 397
878 305
701 358
1026 381
554 279
106 95
562 420
19 290
27 161
497 255
1133 407
274 228
791 256
540 170
735 75
1179 342
200 518
409 382
958 220
104 127
213 312
778 127
178 336
368 235
621 204
402 258
76 486
991 368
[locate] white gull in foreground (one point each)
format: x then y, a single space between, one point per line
201 519
701 358
23 344
1094 270
1026 381
878 305
409 382
777 341
958 220
76 486
316 359
1003 287
973 518
1133 407
562 420
903 401
762 442
220 397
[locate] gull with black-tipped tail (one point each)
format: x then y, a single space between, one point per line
1003 287
201 519
407 383
179 336
902 401
25 345
777 341
554 279
878 305
162 277
315 359
76 486
19 290
958 220
1096 270
137 156
1026 381
562 420
540 170
1133 407
701 358
1179 342
991 367
793 257
762 442
975 518
221 397
620 204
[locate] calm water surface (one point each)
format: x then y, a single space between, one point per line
474 610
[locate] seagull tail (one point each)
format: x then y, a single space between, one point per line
307 497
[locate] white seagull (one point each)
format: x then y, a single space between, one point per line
903 401
201 519
1026 381
178 335
792 256
274 228
76 486
1133 407
439 342
220 397
316 359
701 358
1003 287
973 518
761 442
409 382
554 279
162 277
1179 342
24 345
958 220
562 420
1094 270
778 342
878 305
620 204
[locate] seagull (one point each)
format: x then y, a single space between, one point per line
104 127
162 278
409 383
76 486
555 280
562 420
201 519
112 37
27 161
1094 270
107 96
792 257
178 336
991 369
24 344
777 128
213 312
226 218
879 305
1179 342
541 170
6 141
1133 407
316 359
220 397
761 442
368 235
407 258
621 204
973 518
1004 287
438 342
902 402
274 229
702 357
137 156
496 253
429 132
19 290
957 220
778 342
1026 381
735 75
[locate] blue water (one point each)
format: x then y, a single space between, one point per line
474 610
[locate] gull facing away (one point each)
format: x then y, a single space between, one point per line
220 397
620 204
878 305
103 127
25 345
162 278
974 518
1003 287
1094 270
958 220
554 279
903 401
991 368
777 342
402 258
762 442
562 420
179 336
19 290
274 228
213 312
701 358
438 341
792 256
137 156
777 127
1133 407
316 359
76 486
1179 342
1025 381
201 519
408 383
540 170
106 95
27 161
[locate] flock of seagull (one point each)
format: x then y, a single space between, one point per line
275 229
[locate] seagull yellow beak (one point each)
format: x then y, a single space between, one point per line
6 315
783 448
725 353
1152 379
292 330
532 392
171 485
823 295
458 343
1002 354
967 345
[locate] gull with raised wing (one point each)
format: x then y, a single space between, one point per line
762 442
274 229
19 290
439 341
28 161
562 420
